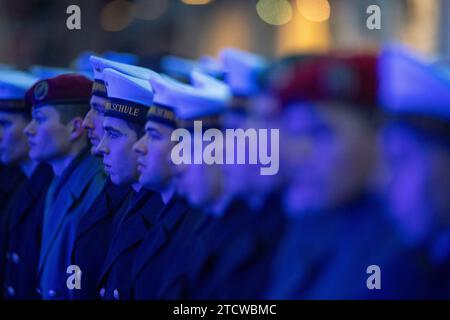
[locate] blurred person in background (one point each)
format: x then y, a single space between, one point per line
162 266
21 218
329 151
246 222
416 142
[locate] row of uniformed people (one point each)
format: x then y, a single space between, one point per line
25 183
120 213
365 151
366 196
134 236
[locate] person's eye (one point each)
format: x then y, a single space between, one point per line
113 135
154 136
39 119
322 133
98 111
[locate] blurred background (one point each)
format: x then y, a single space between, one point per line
35 32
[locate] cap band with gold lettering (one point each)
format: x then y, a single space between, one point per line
162 113
126 110
99 88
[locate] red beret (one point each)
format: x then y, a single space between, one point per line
66 88
349 79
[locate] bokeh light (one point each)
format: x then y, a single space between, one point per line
116 15
150 9
274 12
196 2
314 10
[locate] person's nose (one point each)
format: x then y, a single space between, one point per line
88 123
30 129
102 147
140 147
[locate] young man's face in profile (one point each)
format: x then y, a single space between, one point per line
93 122
13 142
328 152
154 150
47 136
116 147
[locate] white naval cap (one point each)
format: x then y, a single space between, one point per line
13 86
82 61
181 68
6 66
206 96
129 98
123 57
410 84
242 71
99 64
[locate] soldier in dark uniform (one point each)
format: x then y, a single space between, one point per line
57 137
244 260
160 270
94 233
337 229
129 94
10 176
416 141
22 214
238 243
24 235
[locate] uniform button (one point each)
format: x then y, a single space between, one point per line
11 291
51 293
15 258
116 294
102 292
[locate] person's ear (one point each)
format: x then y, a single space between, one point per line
76 128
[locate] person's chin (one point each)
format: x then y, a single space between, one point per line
147 183
142 180
114 178
36 156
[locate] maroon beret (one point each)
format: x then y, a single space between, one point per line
348 79
66 88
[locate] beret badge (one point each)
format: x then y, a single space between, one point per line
41 90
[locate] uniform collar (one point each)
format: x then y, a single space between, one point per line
175 210
70 169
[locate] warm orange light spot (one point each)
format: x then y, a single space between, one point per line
116 15
314 10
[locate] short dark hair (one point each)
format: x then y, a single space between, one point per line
67 112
